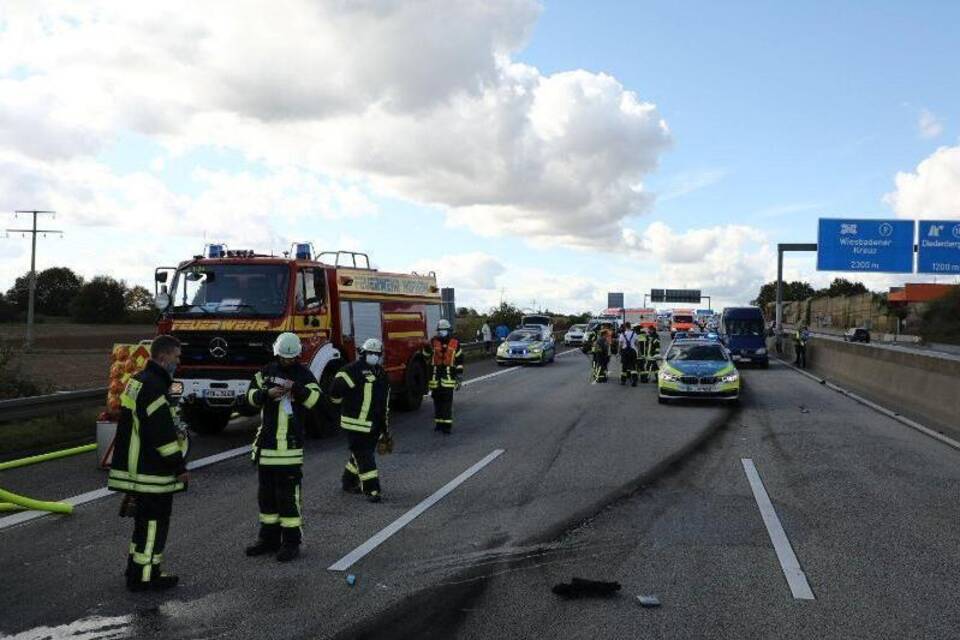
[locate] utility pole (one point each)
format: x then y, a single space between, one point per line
33 264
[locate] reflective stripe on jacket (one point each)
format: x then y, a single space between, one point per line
279 440
363 394
147 455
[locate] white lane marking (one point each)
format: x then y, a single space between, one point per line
781 544
512 369
97 494
351 558
913 424
218 457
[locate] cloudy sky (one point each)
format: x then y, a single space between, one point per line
543 152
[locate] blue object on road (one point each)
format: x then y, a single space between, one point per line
939 250
351 579
879 246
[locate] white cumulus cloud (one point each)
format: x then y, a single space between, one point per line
932 190
418 100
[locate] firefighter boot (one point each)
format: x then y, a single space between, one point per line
267 542
159 582
288 552
290 549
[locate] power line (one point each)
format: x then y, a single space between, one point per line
33 262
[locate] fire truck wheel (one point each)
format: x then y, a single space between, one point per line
206 421
414 386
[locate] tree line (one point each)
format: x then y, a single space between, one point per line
62 293
799 290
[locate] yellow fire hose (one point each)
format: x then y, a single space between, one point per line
39 505
14 502
43 457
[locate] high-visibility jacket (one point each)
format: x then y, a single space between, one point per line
651 348
147 455
601 343
363 394
279 440
445 358
800 337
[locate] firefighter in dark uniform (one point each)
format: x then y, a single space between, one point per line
628 356
601 353
362 391
285 391
651 356
148 464
445 358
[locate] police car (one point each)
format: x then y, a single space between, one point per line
698 369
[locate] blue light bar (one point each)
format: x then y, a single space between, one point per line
216 251
303 251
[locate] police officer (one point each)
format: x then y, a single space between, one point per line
148 463
628 355
362 391
445 358
286 391
651 355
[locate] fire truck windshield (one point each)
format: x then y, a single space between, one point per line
230 289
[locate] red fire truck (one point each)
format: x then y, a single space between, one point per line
227 308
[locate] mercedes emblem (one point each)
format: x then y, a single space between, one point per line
218 348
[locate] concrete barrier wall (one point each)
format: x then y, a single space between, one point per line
926 388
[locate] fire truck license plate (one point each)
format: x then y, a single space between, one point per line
219 393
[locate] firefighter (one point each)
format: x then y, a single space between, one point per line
445 358
285 391
362 391
800 337
628 356
148 464
651 356
601 353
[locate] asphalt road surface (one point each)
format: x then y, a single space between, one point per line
594 481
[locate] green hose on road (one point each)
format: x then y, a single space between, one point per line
37 505
43 457
9 506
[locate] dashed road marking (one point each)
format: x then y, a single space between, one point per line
781 544
384 534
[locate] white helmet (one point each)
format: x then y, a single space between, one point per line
372 345
443 324
287 346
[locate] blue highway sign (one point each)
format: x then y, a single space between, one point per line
882 246
939 246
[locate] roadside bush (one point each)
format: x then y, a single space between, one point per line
12 382
941 320
100 301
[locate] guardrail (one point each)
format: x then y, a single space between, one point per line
39 406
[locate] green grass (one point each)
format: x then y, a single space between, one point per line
48 433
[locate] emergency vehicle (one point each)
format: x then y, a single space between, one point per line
682 320
228 307
641 319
